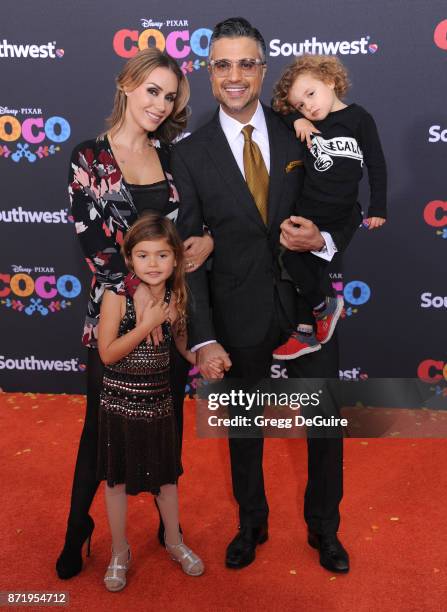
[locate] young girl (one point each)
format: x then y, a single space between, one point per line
138 446
341 139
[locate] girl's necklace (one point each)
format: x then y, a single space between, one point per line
156 297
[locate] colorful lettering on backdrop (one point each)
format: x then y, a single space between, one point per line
435 215
355 293
179 44
434 372
45 292
19 136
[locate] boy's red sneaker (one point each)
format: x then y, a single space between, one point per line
296 346
327 319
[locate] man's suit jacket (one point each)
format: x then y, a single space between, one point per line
234 302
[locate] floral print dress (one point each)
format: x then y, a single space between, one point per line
103 211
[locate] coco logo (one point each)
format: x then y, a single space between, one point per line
355 293
434 371
23 135
440 35
178 43
435 215
37 290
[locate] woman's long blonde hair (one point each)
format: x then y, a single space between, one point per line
133 74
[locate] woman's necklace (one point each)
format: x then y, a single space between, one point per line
122 156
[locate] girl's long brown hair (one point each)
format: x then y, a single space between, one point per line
153 226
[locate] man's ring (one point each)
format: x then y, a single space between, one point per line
190 264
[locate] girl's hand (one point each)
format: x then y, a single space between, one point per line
197 250
375 222
156 336
217 368
154 314
304 129
141 299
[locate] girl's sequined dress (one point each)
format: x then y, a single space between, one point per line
138 439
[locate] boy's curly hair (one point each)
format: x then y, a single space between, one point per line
326 68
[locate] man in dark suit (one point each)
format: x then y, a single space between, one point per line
240 175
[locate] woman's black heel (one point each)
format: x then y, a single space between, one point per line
69 563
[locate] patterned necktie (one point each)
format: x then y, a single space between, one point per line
256 173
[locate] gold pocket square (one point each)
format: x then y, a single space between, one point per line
293 164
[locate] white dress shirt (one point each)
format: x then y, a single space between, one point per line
233 133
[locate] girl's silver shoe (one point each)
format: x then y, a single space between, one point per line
115 576
190 562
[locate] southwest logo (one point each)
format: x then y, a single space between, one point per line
314 46
18 51
32 363
353 374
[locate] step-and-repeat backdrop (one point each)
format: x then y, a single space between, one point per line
58 61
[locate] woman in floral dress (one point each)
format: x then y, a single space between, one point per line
113 180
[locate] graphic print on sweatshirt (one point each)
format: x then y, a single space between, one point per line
341 146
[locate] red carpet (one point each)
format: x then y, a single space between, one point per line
393 523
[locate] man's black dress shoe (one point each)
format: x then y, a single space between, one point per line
241 550
333 556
